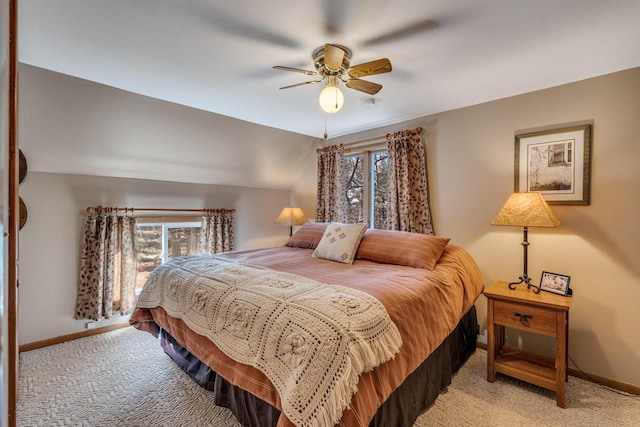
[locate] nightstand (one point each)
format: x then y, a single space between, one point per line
545 314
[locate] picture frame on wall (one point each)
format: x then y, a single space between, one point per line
555 163
554 282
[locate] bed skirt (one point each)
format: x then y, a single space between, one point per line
402 408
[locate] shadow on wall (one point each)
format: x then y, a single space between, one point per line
579 224
597 355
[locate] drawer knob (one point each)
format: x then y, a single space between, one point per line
523 317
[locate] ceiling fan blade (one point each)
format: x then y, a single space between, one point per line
333 56
214 17
364 86
297 70
378 66
401 33
335 17
301 84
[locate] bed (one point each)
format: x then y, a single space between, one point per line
426 286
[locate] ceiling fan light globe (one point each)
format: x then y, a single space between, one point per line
331 99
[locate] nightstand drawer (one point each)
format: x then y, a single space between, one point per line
524 317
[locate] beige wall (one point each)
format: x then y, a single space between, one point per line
470 159
74 126
71 128
50 242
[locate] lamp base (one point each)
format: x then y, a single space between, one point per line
527 280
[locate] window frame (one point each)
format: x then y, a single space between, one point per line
166 223
368 153
372 207
165 234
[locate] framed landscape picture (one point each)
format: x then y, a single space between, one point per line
555 163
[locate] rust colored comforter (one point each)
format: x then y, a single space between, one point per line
425 305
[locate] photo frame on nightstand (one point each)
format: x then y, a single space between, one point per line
556 283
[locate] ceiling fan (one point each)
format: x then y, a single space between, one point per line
332 63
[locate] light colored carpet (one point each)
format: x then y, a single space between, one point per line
123 378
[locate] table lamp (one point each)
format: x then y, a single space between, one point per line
291 216
526 210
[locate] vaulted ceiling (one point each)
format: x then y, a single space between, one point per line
185 90
217 55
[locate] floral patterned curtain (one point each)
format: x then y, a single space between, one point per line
331 200
408 208
216 232
108 265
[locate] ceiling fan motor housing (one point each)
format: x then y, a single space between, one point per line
319 61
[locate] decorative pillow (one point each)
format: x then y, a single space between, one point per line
340 242
308 236
402 248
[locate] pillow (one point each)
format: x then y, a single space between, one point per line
308 236
402 248
340 242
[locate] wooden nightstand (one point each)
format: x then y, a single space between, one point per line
544 313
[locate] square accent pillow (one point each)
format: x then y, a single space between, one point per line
308 236
402 248
340 242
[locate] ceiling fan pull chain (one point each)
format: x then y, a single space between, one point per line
325 127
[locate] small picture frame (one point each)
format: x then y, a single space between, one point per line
554 282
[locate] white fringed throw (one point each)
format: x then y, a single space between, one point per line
312 340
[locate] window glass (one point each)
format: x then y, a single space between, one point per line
380 179
157 243
355 192
182 241
367 178
149 251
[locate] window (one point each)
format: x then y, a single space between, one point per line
367 184
160 239
560 154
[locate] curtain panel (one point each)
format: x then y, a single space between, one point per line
216 232
108 266
408 208
331 199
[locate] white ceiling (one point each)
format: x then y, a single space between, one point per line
217 55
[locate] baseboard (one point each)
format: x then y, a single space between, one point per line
597 379
607 382
70 337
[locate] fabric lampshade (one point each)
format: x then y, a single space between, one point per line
291 217
526 210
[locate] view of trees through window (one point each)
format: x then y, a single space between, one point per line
367 183
356 180
158 243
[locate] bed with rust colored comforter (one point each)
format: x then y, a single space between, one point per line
425 305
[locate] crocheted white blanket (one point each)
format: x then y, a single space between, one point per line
312 340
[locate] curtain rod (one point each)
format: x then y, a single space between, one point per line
92 209
375 140
382 138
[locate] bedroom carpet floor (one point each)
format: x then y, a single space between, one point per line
123 378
